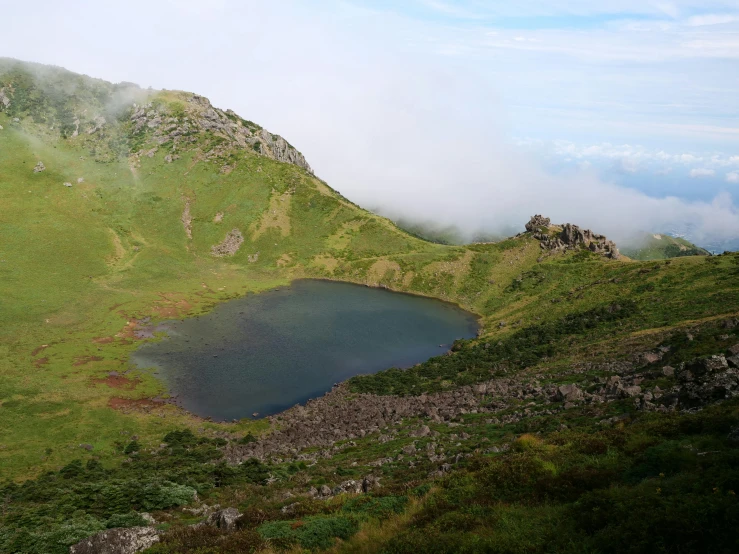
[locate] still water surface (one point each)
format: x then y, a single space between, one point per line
266 352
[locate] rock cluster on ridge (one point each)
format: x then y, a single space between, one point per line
570 237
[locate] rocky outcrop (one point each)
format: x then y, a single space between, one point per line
224 519
181 130
571 237
537 223
706 380
128 540
230 244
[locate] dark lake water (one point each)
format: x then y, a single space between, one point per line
267 352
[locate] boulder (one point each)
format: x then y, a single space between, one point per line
568 393
701 369
39 167
536 223
127 540
224 519
370 482
423 431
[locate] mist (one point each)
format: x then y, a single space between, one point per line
408 118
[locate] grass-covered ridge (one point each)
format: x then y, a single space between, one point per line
87 443
662 246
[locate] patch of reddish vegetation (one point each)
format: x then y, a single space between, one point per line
103 340
114 306
145 404
170 307
82 360
39 349
118 382
40 362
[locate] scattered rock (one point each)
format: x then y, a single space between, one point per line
80 180
187 219
290 508
129 540
39 167
86 446
230 244
67 184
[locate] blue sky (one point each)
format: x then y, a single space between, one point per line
618 114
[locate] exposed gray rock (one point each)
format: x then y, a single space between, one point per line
290 508
200 115
423 431
572 237
537 223
118 541
370 482
4 100
230 244
224 519
706 380
39 167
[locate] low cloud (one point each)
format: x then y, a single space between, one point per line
732 177
702 172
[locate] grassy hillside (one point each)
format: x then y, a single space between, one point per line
171 206
661 247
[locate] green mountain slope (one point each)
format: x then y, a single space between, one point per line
557 430
661 247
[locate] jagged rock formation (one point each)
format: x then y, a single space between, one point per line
571 237
165 125
128 540
536 223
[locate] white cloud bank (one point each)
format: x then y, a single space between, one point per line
732 177
398 114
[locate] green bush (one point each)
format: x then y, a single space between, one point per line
317 532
